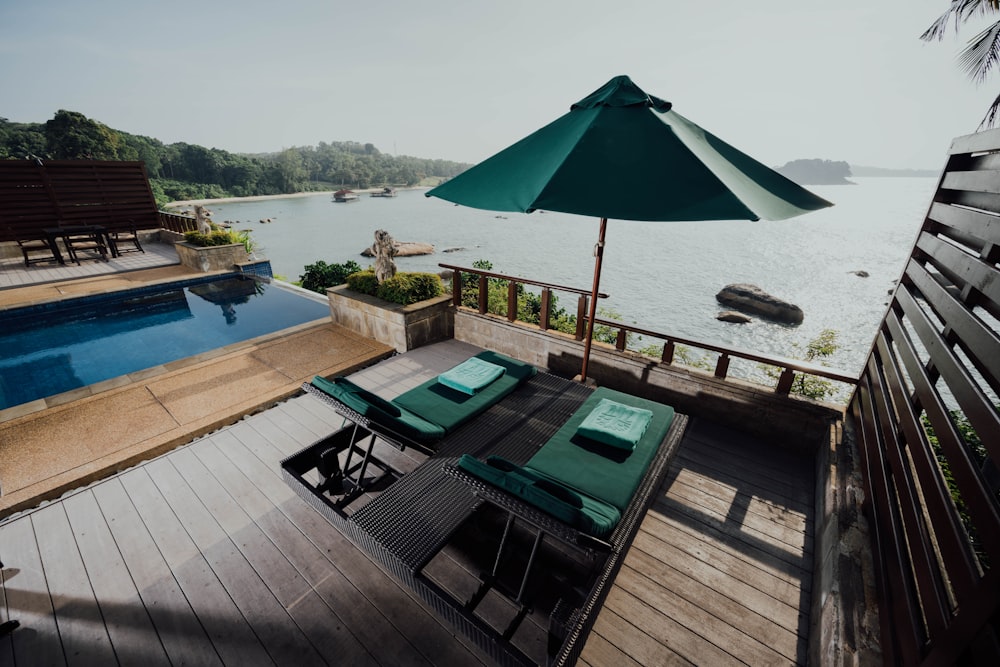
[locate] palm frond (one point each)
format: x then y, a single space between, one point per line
982 54
961 10
990 119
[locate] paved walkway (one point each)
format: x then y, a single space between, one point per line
50 446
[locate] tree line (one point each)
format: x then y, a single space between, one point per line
187 171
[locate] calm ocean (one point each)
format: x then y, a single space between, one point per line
660 276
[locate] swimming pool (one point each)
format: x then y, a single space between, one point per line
51 348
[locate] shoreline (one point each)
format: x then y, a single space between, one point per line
293 195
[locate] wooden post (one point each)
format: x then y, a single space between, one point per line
722 367
456 288
543 320
581 316
484 295
620 340
668 352
511 301
785 382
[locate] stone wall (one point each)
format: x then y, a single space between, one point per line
212 258
402 327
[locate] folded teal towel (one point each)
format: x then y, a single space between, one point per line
615 424
471 375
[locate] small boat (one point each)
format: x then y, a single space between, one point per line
384 192
344 196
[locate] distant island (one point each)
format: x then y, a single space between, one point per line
816 172
829 172
881 171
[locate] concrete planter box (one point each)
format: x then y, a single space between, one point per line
402 327
212 258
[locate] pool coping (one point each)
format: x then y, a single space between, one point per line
54 446
144 374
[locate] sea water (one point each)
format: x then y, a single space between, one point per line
660 276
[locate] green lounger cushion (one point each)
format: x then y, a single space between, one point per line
471 376
450 408
615 424
593 468
382 412
584 513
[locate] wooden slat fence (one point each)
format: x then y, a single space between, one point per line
36 194
925 413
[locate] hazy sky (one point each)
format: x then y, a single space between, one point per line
462 79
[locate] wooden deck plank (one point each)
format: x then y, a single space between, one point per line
681 559
275 548
82 631
728 510
128 624
671 635
277 632
6 648
375 589
28 594
699 618
229 633
187 608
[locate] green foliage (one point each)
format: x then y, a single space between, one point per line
682 355
319 276
363 281
810 386
182 171
407 288
977 449
404 288
221 237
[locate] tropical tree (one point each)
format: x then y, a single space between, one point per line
982 54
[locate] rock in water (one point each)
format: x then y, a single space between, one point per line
752 299
405 249
733 316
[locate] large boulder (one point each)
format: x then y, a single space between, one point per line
752 299
405 249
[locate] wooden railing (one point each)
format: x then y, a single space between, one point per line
929 431
512 283
787 367
177 223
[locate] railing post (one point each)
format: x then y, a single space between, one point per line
511 301
456 288
722 367
581 316
785 382
620 340
543 320
484 295
668 352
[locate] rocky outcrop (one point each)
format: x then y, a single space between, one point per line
733 316
752 299
405 249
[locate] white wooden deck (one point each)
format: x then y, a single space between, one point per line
204 556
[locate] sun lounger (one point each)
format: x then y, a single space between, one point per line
418 418
576 488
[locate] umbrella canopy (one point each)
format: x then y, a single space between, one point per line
621 153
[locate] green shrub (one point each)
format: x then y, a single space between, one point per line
407 288
221 237
363 281
319 276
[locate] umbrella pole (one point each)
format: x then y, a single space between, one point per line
592 311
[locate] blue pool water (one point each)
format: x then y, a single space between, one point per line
52 348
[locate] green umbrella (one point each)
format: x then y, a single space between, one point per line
621 153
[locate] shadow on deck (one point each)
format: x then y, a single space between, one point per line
205 555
